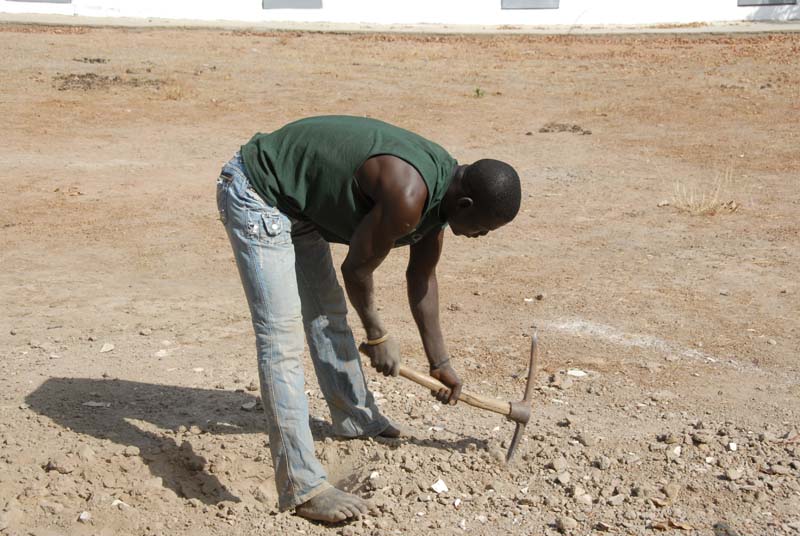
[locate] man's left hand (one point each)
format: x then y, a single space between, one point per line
447 375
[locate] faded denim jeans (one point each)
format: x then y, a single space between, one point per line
291 288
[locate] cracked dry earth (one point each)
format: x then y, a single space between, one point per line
656 252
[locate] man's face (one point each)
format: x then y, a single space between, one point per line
470 223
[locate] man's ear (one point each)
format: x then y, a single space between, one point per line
464 202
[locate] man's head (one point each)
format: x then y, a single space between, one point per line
483 197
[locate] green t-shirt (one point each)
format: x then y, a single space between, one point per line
307 170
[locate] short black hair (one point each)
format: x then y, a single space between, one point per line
494 188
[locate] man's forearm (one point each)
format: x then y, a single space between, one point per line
423 299
360 291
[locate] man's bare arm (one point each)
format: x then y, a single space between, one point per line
399 195
423 298
423 295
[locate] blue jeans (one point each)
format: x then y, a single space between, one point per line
291 288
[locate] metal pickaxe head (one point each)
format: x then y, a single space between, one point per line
521 411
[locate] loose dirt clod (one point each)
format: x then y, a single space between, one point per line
93 81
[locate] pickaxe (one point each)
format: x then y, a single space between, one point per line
518 412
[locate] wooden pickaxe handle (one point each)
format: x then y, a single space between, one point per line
478 401
519 412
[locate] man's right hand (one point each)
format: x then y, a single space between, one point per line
447 375
384 357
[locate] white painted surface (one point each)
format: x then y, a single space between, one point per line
457 12
584 328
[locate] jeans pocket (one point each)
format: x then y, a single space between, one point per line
222 199
273 224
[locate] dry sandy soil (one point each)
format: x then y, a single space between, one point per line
656 251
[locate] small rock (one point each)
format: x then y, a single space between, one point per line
558 464
252 386
87 455
497 454
107 347
603 463
161 353
563 383
576 373
84 517
60 464
584 499
616 500
734 474
563 478
13 332
669 438
130 451
733 447
723 529
52 508
93 404
462 524
249 406
767 437
120 504
672 490
778 469
674 453
145 332
602 527
566 523
660 502
439 486
663 203
586 440
263 494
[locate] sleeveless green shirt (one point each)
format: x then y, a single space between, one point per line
307 170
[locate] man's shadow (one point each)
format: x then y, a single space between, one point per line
168 407
163 406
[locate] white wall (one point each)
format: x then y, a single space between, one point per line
467 12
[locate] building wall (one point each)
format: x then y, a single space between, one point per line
466 12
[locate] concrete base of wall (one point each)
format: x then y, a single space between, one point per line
693 28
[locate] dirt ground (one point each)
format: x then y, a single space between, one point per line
656 252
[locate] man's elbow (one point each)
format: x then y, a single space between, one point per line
350 272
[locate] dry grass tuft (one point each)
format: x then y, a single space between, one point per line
174 90
698 200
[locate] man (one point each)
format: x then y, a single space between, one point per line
373 186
